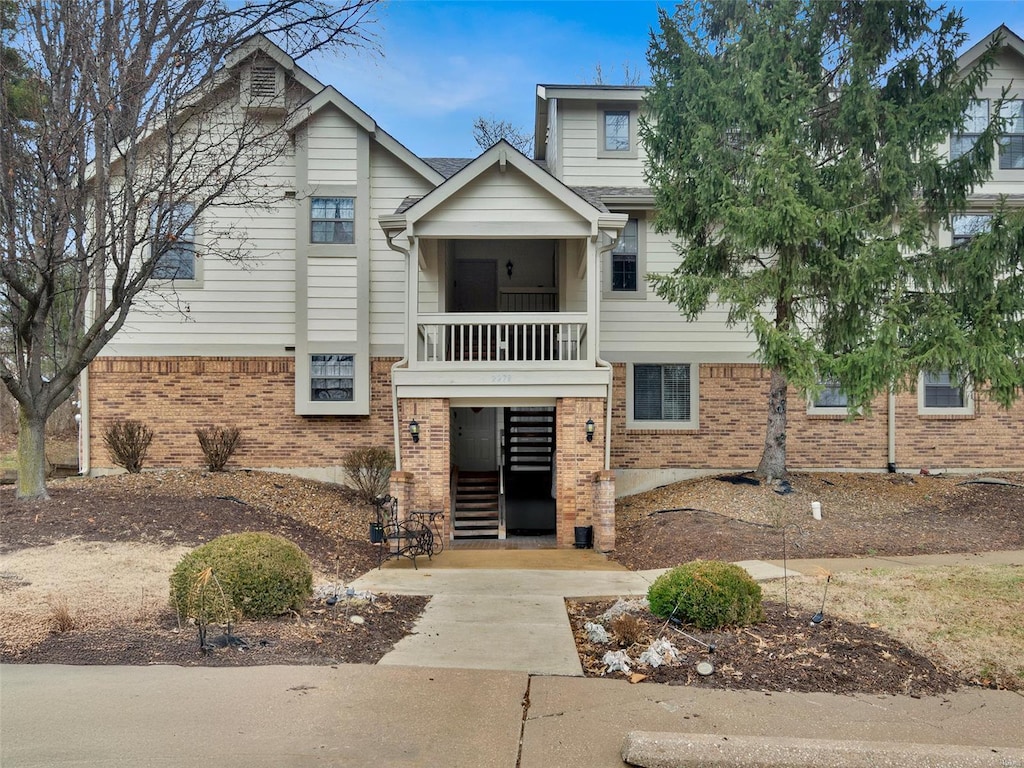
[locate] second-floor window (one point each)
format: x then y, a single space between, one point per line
616 131
333 220
1011 145
975 122
625 258
174 242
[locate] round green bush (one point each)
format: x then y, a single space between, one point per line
254 575
708 594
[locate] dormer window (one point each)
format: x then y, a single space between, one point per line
263 85
617 130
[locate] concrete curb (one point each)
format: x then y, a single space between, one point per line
681 750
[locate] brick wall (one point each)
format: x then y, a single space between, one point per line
428 462
733 412
175 395
992 437
577 463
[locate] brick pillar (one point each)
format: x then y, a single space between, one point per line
403 486
576 462
603 506
429 460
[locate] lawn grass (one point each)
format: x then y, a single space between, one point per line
59 450
969 617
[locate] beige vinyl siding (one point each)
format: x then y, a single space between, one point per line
332 298
650 326
331 147
391 181
581 165
500 198
240 305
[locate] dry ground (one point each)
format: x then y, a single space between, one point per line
83 578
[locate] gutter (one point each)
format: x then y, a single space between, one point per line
404 362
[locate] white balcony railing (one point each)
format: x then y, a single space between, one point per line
464 338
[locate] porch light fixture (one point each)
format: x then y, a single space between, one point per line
509 267
590 430
414 430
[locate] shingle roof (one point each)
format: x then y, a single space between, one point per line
447 166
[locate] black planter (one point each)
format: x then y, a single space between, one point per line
584 536
376 533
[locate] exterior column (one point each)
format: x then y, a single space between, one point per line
576 464
427 461
604 510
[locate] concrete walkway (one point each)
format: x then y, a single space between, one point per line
503 618
353 716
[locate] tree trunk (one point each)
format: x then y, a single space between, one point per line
773 460
31 456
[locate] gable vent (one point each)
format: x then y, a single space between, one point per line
263 86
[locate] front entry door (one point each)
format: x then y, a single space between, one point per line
474 444
476 285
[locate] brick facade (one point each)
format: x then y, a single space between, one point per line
176 395
733 412
427 462
577 464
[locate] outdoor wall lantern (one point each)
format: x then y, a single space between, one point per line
414 430
590 430
509 267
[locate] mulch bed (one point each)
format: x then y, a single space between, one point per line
943 516
322 635
782 653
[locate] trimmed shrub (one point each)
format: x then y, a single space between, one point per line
128 441
218 443
707 594
370 470
242 575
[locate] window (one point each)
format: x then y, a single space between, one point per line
332 378
1011 145
662 396
831 396
966 227
975 121
624 258
333 220
940 393
616 131
174 242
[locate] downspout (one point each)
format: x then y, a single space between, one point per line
601 251
404 362
891 467
84 460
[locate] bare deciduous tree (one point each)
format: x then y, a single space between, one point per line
131 139
487 131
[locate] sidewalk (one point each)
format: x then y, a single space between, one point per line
358 716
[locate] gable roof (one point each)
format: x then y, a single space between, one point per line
260 44
1010 40
503 155
331 96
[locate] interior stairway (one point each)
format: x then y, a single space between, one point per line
476 513
530 438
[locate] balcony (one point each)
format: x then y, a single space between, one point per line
491 341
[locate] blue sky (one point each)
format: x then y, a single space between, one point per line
445 63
